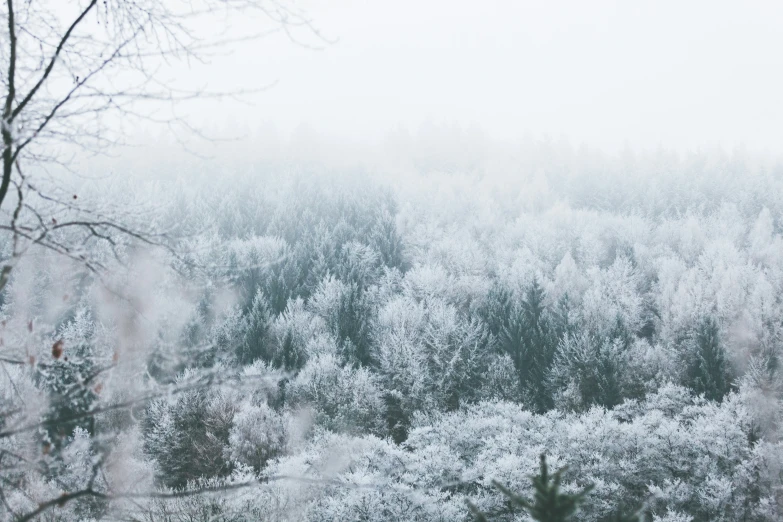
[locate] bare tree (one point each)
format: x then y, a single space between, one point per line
74 75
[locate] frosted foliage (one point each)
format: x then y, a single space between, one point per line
613 294
344 398
257 435
326 298
568 279
356 346
673 516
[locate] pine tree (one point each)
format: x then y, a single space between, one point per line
541 344
70 381
289 357
560 317
281 282
527 335
591 367
620 334
255 325
708 371
497 310
397 419
352 325
188 436
386 240
549 504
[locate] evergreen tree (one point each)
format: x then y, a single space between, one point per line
456 356
620 334
70 381
590 368
386 240
549 504
650 317
497 310
560 317
351 325
255 327
188 436
280 283
289 357
708 371
397 419
541 344
528 337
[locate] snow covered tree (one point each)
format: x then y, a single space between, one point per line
351 324
188 436
255 327
72 380
258 434
707 369
586 372
344 398
386 240
525 332
549 504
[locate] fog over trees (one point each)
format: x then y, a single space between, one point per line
437 327
383 344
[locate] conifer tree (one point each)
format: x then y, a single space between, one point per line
527 336
708 371
497 310
255 325
69 378
187 436
560 317
397 419
541 344
289 357
386 240
549 503
591 367
351 325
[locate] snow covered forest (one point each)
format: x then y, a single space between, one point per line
229 293
322 343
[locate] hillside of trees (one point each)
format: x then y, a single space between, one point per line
355 346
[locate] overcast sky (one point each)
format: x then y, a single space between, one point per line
682 74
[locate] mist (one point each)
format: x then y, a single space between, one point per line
606 75
426 262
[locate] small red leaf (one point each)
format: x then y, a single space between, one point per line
57 349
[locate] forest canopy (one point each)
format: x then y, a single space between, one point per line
382 343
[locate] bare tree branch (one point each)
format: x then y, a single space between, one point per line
22 104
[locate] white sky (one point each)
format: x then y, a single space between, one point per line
682 74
